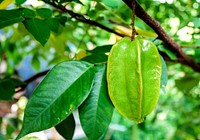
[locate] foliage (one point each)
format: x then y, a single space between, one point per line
65 36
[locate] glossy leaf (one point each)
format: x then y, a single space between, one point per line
96 112
53 24
38 29
95 58
27 13
101 49
133 75
44 12
67 127
63 89
9 17
98 54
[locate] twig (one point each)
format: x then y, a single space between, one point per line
193 47
141 13
172 45
133 20
31 79
83 19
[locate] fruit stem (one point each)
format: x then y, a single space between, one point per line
133 20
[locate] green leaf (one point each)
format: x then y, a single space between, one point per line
101 49
9 17
111 3
168 52
62 20
16 82
95 58
62 91
66 127
98 54
53 24
7 89
96 112
38 29
19 2
164 74
44 12
27 13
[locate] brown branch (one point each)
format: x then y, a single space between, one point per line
133 20
83 19
193 47
141 13
172 45
31 79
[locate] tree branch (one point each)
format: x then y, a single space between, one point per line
83 19
193 47
31 79
133 19
172 45
141 13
